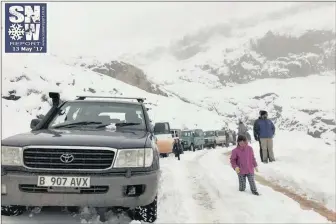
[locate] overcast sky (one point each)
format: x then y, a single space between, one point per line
116 26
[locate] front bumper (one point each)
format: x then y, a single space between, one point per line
114 196
185 145
165 146
208 143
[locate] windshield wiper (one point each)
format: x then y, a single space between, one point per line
118 125
126 124
77 124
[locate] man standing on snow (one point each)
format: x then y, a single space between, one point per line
242 130
264 131
255 133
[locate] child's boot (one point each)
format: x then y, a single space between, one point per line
255 193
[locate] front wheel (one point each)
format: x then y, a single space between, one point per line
164 155
12 210
147 213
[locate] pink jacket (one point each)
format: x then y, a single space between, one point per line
243 157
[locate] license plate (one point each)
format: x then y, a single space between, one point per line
54 181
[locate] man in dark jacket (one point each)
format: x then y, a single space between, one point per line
255 133
177 148
264 131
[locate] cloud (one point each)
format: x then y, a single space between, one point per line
116 27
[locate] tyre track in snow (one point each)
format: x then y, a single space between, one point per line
305 203
206 200
182 196
201 188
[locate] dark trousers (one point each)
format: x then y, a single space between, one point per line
260 151
242 182
177 155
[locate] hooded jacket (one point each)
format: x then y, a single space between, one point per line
243 157
263 128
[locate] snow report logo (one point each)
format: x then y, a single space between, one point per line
25 28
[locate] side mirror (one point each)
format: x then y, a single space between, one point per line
151 129
34 123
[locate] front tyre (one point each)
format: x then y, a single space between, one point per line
12 210
147 213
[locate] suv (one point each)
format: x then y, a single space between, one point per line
210 139
164 140
221 138
192 139
85 152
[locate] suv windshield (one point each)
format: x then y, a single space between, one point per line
186 134
162 128
221 133
209 133
99 114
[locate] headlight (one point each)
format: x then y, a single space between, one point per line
134 158
11 156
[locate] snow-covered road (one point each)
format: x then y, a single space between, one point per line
201 188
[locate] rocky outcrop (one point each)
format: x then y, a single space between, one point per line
125 72
277 56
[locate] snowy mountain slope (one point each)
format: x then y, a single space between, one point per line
231 50
215 68
26 85
304 104
234 68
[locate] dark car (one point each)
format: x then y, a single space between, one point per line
86 152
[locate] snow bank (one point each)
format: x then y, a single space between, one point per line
303 164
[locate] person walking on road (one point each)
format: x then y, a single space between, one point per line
264 131
242 130
244 163
177 148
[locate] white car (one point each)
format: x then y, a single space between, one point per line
220 138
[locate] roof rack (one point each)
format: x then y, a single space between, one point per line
140 100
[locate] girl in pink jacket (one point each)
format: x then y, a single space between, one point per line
243 162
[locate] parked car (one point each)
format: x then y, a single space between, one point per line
84 152
164 138
220 138
230 137
192 139
210 139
